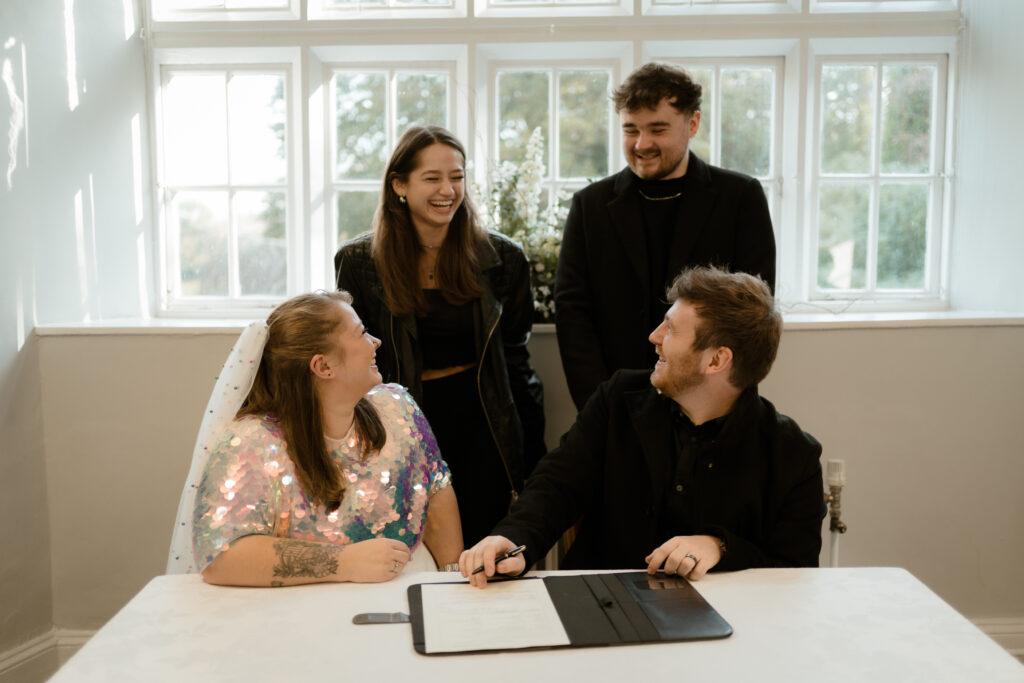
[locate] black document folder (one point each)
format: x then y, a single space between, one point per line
614 609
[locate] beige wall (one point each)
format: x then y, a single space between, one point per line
123 412
25 600
926 419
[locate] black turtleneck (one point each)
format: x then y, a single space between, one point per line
661 201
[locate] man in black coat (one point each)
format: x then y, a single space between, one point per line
628 235
682 469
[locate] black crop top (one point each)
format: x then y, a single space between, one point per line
446 333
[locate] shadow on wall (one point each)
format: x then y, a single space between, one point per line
25 567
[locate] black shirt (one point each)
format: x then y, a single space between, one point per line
446 333
690 440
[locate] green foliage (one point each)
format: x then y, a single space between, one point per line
512 205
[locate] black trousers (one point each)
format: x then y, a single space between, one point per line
452 406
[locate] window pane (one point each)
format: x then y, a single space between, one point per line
195 129
189 4
842 235
202 219
348 4
907 117
523 105
583 124
902 235
422 100
218 4
252 4
700 144
257 128
361 106
846 105
355 213
747 120
262 247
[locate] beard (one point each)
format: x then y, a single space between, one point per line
672 383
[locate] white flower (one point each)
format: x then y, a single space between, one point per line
512 206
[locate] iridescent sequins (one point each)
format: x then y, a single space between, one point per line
249 488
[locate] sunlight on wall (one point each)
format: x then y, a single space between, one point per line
72 62
93 264
16 123
129 18
137 167
140 259
19 311
83 279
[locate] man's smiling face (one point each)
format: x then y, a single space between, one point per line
656 142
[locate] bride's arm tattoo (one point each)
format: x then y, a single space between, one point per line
302 558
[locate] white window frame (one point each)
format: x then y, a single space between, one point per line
882 6
391 10
288 60
554 9
292 11
786 187
486 39
934 295
493 57
720 7
324 61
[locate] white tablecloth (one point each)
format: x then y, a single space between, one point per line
822 625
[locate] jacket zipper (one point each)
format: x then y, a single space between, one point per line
480 393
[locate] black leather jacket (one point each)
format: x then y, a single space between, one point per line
509 389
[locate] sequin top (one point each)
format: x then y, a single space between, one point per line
250 486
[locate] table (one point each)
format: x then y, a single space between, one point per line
822 625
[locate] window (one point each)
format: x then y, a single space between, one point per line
272 137
224 180
370 110
570 106
877 178
224 10
739 115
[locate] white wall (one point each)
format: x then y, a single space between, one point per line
925 417
989 240
70 232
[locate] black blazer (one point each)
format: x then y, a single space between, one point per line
602 287
757 486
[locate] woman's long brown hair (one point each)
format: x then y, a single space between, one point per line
299 329
396 248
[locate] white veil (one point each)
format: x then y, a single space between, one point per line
233 384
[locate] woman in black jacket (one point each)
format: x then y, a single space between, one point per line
453 306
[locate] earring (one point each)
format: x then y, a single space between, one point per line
401 199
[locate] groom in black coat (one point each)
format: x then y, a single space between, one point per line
628 235
682 469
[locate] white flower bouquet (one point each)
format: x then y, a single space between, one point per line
514 206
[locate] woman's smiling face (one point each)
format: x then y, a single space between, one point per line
353 359
435 188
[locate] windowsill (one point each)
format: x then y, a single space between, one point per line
793 321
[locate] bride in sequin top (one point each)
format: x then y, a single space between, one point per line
325 474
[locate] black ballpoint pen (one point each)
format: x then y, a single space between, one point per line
504 556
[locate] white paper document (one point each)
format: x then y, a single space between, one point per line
505 615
